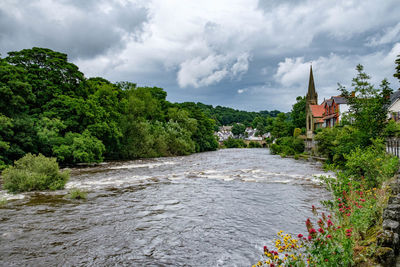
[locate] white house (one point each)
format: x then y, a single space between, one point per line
394 107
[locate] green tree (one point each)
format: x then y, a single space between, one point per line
397 73
48 72
368 106
238 129
80 148
281 126
298 113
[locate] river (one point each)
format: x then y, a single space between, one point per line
208 209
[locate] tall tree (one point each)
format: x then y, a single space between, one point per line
298 113
368 105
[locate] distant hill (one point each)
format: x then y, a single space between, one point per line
229 116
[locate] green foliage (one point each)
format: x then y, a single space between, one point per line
76 193
296 132
238 129
253 144
288 146
230 116
368 105
392 129
3 202
234 143
47 106
372 165
79 148
281 126
397 73
298 113
334 143
34 173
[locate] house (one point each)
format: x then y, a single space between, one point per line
224 133
334 109
394 107
329 113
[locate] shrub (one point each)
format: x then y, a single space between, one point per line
296 132
288 146
75 193
234 143
32 173
372 165
336 142
253 144
80 148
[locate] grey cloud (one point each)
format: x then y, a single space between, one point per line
84 32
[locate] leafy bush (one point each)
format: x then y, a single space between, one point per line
234 143
34 173
75 193
372 165
253 144
288 146
392 129
334 143
80 148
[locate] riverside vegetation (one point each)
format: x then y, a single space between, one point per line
48 107
347 235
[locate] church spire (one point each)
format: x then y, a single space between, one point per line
312 96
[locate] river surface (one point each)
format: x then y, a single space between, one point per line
208 209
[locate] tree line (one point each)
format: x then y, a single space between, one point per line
48 106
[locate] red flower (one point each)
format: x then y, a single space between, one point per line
309 238
300 236
348 214
329 236
265 248
321 230
326 260
312 231
330 223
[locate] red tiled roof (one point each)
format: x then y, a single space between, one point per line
317 110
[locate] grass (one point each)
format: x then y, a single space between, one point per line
76 193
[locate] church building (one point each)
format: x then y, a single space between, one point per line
314 112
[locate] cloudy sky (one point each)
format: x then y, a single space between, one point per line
246 54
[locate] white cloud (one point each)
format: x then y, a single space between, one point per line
328 71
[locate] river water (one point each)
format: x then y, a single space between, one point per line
208 209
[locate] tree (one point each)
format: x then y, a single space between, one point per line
281 127
397 73
48 72
238 129
298 113
368 105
